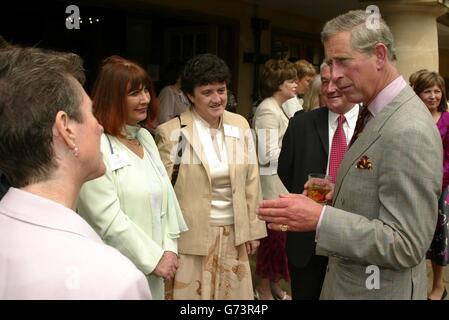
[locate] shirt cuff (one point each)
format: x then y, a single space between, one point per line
317 232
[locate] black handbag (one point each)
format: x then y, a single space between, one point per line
179 152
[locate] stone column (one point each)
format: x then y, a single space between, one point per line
414 27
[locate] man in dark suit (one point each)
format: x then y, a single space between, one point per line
306 149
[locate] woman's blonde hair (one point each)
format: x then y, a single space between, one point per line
312 95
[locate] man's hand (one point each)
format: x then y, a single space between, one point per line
251 246
295 211
167 265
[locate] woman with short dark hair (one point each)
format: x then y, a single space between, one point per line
210 156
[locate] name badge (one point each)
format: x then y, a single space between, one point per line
119 160
231 131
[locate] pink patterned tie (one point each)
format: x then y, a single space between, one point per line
338 149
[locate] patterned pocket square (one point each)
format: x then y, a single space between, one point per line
364 163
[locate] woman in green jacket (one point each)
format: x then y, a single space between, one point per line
133 206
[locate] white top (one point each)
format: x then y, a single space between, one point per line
348 127
47 251
292 105
222 213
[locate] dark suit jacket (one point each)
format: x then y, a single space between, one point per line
305 149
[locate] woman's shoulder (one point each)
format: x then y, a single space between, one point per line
145 136
235 119
107 142
268 105
443 123
167 90
167 127
445 116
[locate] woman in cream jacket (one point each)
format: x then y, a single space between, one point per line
217 186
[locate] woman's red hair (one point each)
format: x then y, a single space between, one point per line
117 77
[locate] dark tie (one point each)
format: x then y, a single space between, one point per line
361 121
338 149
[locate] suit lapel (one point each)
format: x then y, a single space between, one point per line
191 135
355 152
370 134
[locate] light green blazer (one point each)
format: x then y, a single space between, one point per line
126 221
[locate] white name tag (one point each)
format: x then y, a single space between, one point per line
119 160
231 131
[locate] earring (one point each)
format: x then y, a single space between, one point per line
75 151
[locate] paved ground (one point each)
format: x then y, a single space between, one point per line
429 277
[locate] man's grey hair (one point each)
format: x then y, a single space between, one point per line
322 66
363 38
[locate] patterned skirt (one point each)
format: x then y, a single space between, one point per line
224 274
438 251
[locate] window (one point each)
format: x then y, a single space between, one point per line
294 46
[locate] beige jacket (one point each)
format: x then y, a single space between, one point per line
193 185
270 122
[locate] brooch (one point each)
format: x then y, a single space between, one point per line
364 163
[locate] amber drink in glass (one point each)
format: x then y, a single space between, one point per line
318 187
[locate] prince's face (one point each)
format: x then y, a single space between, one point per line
353 72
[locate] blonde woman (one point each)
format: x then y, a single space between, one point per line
312 97
305 73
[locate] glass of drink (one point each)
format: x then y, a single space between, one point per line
318 187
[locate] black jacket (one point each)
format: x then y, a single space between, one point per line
305 149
